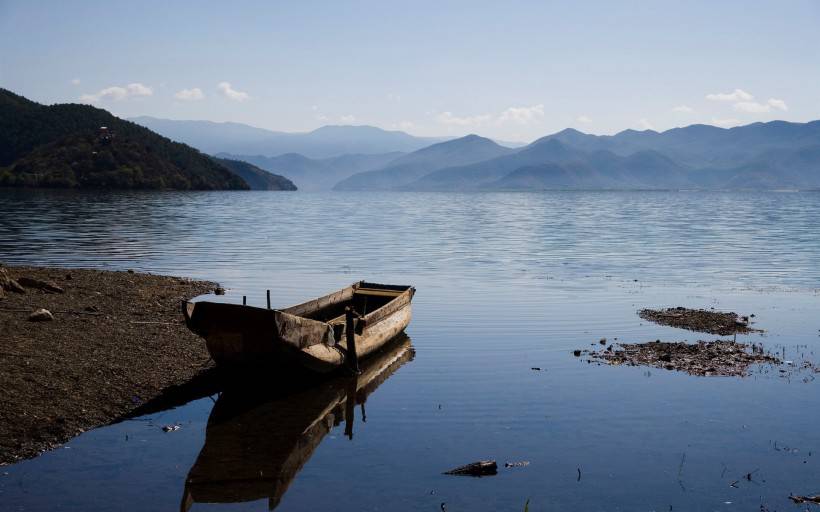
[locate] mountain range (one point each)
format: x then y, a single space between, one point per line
408 168
79 146
771 155
774 155
64 145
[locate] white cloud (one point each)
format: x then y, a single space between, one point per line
317 114
583 119
232 94
137 89
754 107
349 118
194 94
117 93
683 109
522 115
75 81
403 125
517 115
778 104
447 118
751 107
736 95
725 123
644 124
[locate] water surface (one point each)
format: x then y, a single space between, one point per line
506 282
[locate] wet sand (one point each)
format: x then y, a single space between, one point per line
117 340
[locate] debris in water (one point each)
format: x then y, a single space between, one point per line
536 368
576 353
712 322
721 357
480 468
806 499
170 428
519 464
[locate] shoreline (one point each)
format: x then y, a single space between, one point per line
117 341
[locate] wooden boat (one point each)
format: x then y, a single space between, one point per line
256 444
321 334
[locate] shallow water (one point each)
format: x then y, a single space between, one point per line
506 282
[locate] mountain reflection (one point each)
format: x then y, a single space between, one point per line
257 441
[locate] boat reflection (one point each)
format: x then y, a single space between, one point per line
255 444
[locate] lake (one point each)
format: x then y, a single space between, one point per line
506 283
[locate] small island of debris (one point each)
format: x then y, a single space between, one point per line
721 357
700 320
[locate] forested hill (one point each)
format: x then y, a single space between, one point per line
256 178
66 146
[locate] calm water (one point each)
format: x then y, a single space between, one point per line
506 282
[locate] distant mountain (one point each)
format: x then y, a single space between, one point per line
772 169
701 145
67 146
477 175
256 178
207 136
599 170
324 142
757 156
316 174
407 169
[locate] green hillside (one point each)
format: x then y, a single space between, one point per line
66 146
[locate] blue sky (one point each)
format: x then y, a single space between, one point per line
509 70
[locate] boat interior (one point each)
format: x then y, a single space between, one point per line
364 297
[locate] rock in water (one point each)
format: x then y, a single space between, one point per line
805 499
480 468
41 315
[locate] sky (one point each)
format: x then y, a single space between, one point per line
509 70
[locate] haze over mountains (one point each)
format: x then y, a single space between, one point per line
773 155
61 145
756 156
311 174
408 168
324 142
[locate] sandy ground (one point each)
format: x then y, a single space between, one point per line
117 341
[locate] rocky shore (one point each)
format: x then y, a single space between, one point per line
84 348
